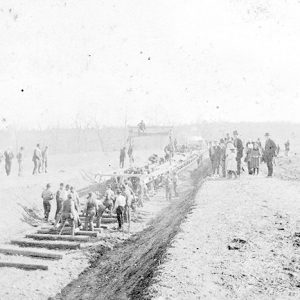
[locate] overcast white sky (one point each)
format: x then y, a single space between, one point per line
162 61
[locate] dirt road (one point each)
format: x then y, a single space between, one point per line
238 243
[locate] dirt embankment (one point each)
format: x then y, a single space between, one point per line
288 168
127 270
241 241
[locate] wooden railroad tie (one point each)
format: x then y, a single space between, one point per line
103 220
31 253
67 231
56 237
22 266
47 244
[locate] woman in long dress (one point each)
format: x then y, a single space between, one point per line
255 158
231 162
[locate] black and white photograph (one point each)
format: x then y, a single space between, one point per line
150 150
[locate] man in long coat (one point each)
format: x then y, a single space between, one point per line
269 154
238 144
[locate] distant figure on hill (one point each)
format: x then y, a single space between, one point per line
167 151
130 154
122 157
45 159
238 144
141 127
269 154
37 160
175 183
168 186
20 158
8 156
175 145
287 148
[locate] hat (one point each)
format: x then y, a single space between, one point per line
267 134
235 132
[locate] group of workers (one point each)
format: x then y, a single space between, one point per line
120 200
121 196
40 160
227 155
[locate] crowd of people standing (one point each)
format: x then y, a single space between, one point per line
227 155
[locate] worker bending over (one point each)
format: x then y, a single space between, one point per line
68 213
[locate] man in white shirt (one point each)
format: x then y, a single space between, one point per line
120 207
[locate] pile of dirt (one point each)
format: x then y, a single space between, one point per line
126 271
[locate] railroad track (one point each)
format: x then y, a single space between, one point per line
48 245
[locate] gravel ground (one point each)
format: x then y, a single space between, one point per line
237 243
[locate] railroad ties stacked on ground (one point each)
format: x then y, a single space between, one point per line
47 244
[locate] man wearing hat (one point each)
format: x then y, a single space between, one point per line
269 153
223 157
238 144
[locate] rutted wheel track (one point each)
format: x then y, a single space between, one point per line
127 270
